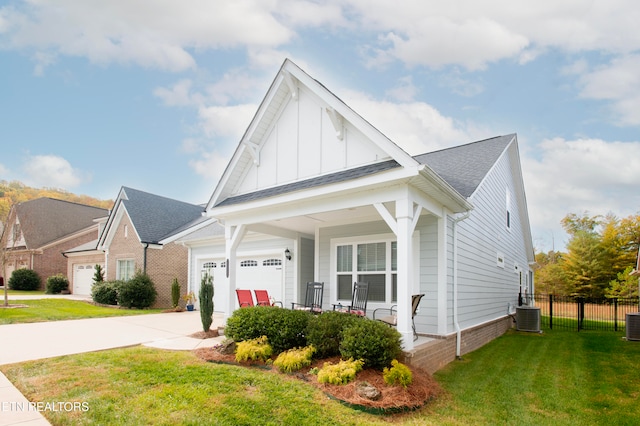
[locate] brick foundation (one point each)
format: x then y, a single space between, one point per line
437 353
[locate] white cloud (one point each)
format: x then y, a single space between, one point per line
179 94
210 165
3 170
52 171
404 91
226 122
619 82
473 34
466 43
149 34
574 176
417 127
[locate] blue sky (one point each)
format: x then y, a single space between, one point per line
97 95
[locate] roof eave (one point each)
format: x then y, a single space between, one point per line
444 192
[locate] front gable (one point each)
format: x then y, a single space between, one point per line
303 142
302 131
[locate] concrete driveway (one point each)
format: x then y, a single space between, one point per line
24 342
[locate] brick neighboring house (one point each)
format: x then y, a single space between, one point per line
137 237
81 264
41 230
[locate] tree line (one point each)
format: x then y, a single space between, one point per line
600 255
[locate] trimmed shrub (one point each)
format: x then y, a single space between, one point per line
254 350
206 301
106 292
294 359
398 374
139 292
56 284
24 279
284 328
340 373
325 331
374 342
175 293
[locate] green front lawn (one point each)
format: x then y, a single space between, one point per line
61 309
555 378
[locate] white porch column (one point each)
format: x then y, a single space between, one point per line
405 226
233 235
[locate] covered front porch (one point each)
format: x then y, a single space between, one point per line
394 238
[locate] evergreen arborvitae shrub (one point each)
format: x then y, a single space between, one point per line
285 328
139 292
325 332
374 342
98 276
56 284
175 293
106 292
24 279
206 301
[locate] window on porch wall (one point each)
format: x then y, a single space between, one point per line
375 263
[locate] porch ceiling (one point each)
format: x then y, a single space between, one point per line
307 224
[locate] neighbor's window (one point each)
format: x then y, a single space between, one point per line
125 269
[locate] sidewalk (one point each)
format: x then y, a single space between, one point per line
49 339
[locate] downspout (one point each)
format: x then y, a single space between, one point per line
144 258
456 324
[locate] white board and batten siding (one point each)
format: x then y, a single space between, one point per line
486 287
303 143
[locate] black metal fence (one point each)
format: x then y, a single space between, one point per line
581 313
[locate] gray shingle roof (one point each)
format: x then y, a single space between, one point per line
45 220
313 182
465 166
156 217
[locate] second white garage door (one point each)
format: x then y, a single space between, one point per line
253 273
83 279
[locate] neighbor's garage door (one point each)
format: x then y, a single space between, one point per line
83 279
253 273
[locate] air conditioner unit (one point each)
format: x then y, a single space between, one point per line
633 326
528 319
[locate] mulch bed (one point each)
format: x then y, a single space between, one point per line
395 399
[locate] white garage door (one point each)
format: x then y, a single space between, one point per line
83 279
253 273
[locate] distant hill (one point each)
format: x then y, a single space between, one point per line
16 192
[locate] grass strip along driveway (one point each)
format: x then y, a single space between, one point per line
555 378
61 309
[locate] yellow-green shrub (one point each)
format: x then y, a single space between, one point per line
253 350
398 374
294 359
340 373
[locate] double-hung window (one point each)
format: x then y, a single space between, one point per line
125 269
374 262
